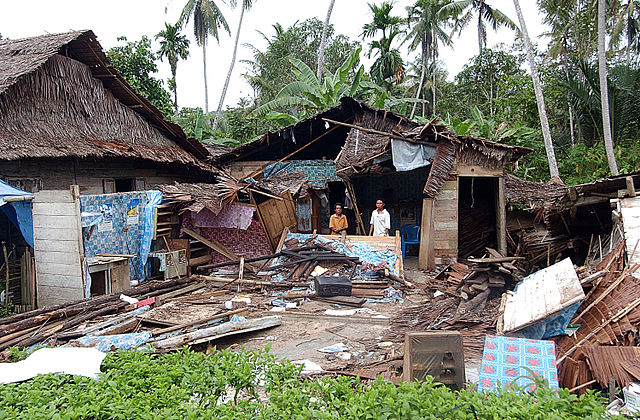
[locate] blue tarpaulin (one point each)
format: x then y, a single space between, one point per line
19 212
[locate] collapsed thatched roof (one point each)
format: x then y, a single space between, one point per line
555 197
214 197
61 97
533 196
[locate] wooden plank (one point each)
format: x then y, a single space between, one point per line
52 209
501 217
218 331
541 295
630 211
425 254
477 170
52 234
58 257
362 229
278 215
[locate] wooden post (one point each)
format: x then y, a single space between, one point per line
361 227
173 260
631 189
501 218
425 257
6 281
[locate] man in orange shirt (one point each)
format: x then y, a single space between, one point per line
338 221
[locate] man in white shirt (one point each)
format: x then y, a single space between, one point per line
380 220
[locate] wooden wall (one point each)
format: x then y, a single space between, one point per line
59 174
57 237
241 170
445 223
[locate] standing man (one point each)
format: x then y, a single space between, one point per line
380 221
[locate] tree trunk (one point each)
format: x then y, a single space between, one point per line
571 123
546 133
604 93
422 75
228 79
175 87
479 33
433 76
206 91
323 41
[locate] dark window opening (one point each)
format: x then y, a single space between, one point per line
124 185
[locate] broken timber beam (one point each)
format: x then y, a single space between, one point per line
217 246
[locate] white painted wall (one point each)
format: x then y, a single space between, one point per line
57 237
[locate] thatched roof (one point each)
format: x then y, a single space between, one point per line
533 196
61 97
555 197
215 197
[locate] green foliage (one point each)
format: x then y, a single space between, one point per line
584 163
306 95
194 123
6 311
207 19
228 385
174 46
270 70
388 66
136 61
624 101
490 81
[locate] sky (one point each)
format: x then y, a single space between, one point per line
135 18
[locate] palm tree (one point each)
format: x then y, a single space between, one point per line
604 93
486 14
389 62
174 46
323 40
546 132
246 5
627 21
207 18
427 20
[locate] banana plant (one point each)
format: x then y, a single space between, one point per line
307 95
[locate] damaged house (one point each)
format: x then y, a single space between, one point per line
68 118
451 186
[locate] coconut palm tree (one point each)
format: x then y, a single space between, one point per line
174 46
207 19
486 14
246 5
544 122
627 21
427 22
389 61
604 92
323 40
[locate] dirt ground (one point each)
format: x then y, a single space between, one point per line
306 329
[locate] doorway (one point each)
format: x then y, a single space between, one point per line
477 198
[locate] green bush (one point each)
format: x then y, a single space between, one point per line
187 384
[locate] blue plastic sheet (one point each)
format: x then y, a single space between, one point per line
18 212
366 253
118 341
125 225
